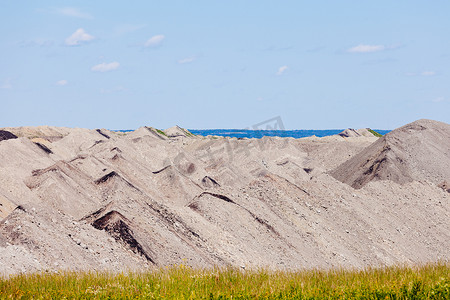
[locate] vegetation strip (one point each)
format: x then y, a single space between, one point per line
374 132
429 281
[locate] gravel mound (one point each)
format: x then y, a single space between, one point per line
99 200
417 151
177 131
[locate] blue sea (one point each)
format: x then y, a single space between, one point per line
247 133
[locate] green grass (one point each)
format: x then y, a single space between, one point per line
422 282
189 134
374 133
161 132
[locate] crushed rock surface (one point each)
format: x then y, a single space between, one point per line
82 199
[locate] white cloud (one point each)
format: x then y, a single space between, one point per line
79 37
428 73
6 84
38 42
423 73
73 12
154 41
105 67
187 60
366 48
281 70
62 82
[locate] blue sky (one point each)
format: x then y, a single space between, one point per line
224 64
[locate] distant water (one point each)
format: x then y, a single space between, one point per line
244 133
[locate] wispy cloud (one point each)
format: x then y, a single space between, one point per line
154 41
366 48
105 67
62 82
67 12
6 84
281 70
79 37
187 60
38 42
279 48
73 12
428 73
423 73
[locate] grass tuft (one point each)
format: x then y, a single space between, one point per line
429 281
161 132
374 133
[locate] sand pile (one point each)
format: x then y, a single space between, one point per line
417 151
349 132
45 132
177 131
103 200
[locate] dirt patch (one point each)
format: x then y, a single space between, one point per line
119 228
159 171
96 143
219 196
209 182
113 174
6 135
191 168
103 134
107 177
194 206
44 148
308 170
445 185
265 224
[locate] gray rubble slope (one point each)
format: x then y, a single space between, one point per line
102 200
417 151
